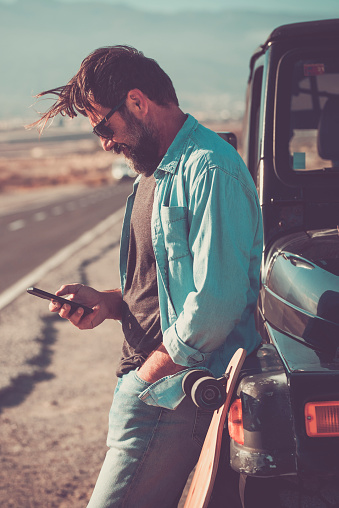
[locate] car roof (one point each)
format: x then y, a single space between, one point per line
321 28
328 28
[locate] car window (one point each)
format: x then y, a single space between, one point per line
314 114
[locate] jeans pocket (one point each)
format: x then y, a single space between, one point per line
143 384
201 424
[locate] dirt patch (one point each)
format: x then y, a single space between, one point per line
30 173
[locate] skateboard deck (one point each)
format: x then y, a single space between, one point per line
206 469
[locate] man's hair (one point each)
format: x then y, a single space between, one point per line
105 77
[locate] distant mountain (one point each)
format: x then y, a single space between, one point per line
205 54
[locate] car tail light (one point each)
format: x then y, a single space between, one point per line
235 423
322 419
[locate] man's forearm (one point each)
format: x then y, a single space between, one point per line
159 364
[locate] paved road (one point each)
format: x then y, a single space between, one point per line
33 230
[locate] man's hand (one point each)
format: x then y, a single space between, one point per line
159 364
105 304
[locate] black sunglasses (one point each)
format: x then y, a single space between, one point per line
101 129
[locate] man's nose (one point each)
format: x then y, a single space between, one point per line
107 144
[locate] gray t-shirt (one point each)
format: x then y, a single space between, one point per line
140 312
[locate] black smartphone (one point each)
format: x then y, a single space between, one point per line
49 296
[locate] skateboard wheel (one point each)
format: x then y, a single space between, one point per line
190 378
208 393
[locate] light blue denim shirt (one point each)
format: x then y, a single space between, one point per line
207 239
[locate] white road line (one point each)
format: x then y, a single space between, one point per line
40 216
17 224
60 257
57 210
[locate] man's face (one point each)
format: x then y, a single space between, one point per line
137 140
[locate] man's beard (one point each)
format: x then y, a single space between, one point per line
143 149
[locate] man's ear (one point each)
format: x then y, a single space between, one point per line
137 103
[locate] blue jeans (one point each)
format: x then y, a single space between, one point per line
151 450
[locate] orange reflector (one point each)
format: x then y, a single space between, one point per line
322 419
235 423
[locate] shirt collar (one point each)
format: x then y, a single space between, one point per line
171 158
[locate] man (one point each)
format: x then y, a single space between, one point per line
189 263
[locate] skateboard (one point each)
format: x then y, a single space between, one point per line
206 469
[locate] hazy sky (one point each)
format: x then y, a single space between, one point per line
36 37
272 5
269 5
316 6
